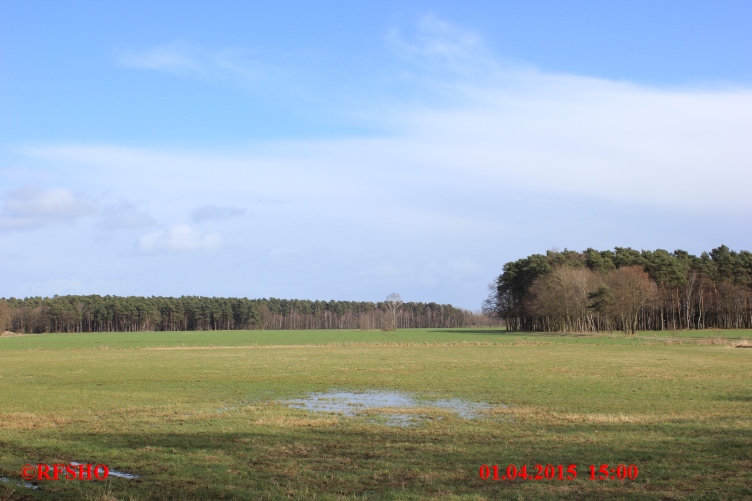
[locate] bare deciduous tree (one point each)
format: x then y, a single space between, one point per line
561 297
393 306
632 289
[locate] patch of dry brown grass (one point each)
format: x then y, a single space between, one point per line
31 420
415 411
294 422
106 494
7 493
713 341
554 417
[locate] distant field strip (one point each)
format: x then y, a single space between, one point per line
352 337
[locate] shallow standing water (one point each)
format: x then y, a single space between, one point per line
350 403
20 484
111 473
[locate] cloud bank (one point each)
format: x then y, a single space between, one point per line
34 207
488 127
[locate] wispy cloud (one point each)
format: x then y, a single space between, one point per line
184 59
171 58
442 45
216 213
33 207
178 239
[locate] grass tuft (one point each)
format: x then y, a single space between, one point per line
7 493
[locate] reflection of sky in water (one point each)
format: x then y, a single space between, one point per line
401 420
351 403
22 484
111 473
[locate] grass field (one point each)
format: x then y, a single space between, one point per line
197 415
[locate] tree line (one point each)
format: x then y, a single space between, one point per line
624 289
95 313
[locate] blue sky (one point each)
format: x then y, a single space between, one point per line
347 150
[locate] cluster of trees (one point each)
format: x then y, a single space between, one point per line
124 314
625 289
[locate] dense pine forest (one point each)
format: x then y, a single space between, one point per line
124 314
625 290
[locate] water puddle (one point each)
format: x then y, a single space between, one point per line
388 402
112 473
20 484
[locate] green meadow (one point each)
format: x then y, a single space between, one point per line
200 415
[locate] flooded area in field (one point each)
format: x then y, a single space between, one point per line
388 404
111 473
121 474
19 484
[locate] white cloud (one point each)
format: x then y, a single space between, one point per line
33 207
177 239
563 135
216 213
495 130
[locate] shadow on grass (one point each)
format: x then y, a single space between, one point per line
293 464
735 397
341 462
